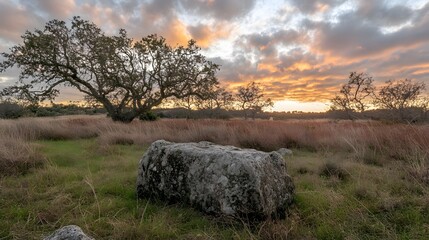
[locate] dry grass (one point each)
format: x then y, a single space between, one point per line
395 140
369 142
18 157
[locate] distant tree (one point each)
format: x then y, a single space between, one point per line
127 76
188 103
251 99
219 100
355 95
404 97
224 99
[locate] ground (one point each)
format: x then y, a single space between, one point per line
91 184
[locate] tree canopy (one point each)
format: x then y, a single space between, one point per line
402 96
127 76
251 99
355 94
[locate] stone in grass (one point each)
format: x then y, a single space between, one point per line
71 232
220 180
285 152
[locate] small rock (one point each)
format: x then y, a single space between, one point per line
285 152
70 232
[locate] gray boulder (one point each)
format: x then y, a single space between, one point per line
220 180
285 152
70 232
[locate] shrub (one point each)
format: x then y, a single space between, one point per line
11 110
44 112
148 116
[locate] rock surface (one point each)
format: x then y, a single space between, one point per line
220 180
71 232
285 152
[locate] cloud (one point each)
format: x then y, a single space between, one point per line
265 49
352 37
296 58
313 6
379 13
159 17
206 34
57 9
139 19
14 20
218 9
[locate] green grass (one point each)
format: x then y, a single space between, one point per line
374 203
93 186
95 189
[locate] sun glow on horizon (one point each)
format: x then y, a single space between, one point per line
291 105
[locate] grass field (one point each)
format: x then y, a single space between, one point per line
354 180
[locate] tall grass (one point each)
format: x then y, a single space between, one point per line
18 157
368 141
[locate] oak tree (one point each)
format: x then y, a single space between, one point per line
355 95
251 99
404 98
127 76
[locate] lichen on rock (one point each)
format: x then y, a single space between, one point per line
70 232
220 180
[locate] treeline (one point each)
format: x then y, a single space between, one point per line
385 115
13 110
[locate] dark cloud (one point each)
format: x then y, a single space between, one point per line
266 45
352 37
280 36
239 69
313 6
218 9
380 14
296 55
200 31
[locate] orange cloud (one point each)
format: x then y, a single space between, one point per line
176 33
301 66
268 67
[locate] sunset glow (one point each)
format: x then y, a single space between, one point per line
300 51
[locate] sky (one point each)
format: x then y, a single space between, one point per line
300 51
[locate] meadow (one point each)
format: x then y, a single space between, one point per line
354 179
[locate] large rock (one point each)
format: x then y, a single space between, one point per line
71 232
221 180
